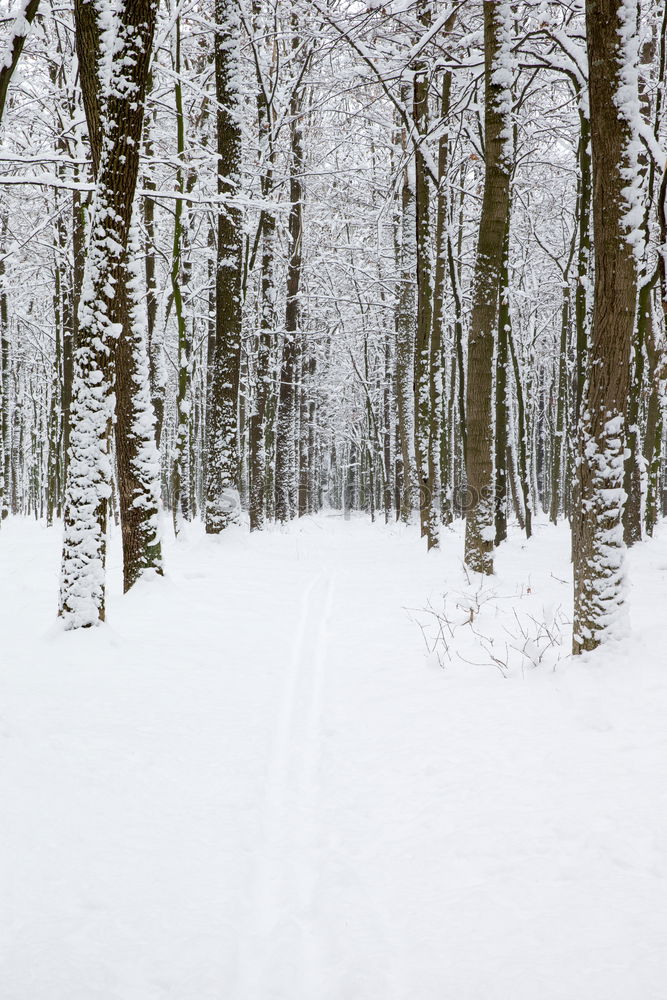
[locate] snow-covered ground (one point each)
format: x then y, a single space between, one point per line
255 783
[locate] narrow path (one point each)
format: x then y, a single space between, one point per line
285 868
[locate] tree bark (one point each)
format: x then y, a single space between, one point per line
137 457
598 548
182 469
222 474
405 336
480 530
103 314
502 360
424 376
286 456
264 383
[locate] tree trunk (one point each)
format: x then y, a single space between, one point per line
502 409
136 449
480 530
424 377
263 380
405 337
222 473
4 382
137 457
153 342
182 468
598 547
286 457
259 418
583 257
522 436
102 316
634 476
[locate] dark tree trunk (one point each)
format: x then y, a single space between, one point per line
286 458
136 450
598 548
222 478
480 529
104 315
424 377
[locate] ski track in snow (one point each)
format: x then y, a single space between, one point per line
253 783
284 876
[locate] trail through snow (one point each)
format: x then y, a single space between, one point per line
255 784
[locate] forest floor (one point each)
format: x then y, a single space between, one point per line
256 783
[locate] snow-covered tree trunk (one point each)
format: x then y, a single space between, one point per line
313 466
264 381
387 402
634 477
79 213
137 455
560 422
182 470
5 421
154 339
406 306
4 318
61 319
502 415
653 434
598 547
126 38
438 324
637 461
440 505
286 446
429 490
480 529
303 479
581 298
522 435
222 458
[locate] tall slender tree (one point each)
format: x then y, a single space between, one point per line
425 375
222 452
480 529
286 449
264 383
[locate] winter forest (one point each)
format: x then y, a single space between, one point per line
333 368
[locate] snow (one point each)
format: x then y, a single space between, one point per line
255 783
19 29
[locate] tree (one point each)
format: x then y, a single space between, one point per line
137 458
598 547
426 374
222 457
480 529
125 45
286 453
259 419
406 253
